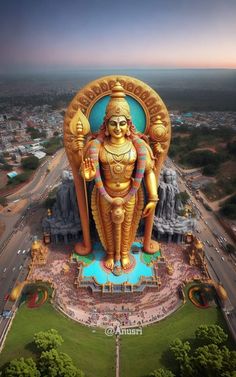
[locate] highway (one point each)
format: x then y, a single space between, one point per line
221 265
14 259
37 189
21 227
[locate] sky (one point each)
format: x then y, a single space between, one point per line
38 35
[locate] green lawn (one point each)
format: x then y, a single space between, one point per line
141 354
93 352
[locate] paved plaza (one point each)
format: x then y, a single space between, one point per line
125 309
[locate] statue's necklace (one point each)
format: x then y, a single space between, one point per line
118 150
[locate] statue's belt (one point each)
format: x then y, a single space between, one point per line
115 194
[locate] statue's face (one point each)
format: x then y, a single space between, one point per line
117 126
168 177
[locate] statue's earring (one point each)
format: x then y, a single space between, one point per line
128 132
106 132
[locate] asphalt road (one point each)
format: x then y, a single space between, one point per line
221 265
13 260
21 228
33 192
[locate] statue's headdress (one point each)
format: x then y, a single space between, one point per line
117 104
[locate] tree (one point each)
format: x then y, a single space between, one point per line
211 334
161 373
183 197
55 364
181 352
229 362
21 368
3 201
6 167
47 340
31 163
20 178
49 202
229 210
208 360
210 170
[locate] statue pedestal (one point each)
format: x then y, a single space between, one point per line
93 274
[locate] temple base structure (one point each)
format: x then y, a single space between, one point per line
142 273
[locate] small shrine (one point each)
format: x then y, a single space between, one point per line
39 252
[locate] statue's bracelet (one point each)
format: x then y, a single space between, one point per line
153 199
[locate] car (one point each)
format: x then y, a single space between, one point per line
217 250
18 252
5 269
13 269
223 258
20 267
23 252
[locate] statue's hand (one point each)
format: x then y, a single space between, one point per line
88 170
148 209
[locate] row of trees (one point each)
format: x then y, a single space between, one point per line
209 160
185 146
28 164
207 356
35 133
49 361
53 145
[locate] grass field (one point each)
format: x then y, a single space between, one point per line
94 352
141 354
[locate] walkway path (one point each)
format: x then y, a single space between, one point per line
117 356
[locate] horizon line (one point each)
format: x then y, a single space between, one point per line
109 68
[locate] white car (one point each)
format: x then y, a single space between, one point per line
18 252
23 252
223 258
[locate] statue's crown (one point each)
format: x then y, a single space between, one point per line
117 104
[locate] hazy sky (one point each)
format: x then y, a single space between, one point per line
64 34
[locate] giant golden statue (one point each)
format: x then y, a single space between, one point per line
119 159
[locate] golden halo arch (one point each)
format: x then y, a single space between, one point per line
158 127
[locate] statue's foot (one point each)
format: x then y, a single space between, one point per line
125 261
109 263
